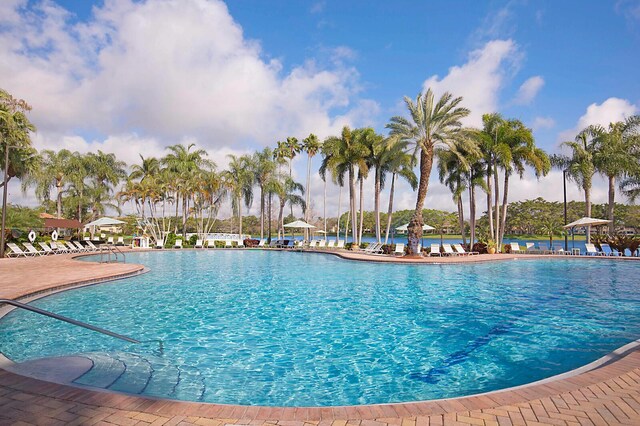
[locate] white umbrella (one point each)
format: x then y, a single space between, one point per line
105 221
586 222
298 224
405 227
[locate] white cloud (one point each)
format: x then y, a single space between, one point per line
540 123
480 79
165 70
528 90
610 111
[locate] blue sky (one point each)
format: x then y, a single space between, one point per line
131 77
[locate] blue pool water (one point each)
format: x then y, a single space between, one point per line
303 329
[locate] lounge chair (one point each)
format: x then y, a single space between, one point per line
606 250
31 249
58 247
262 243
17 251
462 251
322 244
515 248
92 246
544 248
289 245
120 241
228 244
399 250
448 251
340 244
198 244
46 248
178 244
211 243
313 243
110 240
273 244
72 248
331 244
435 250
558 249
531 248
592 251
373 248
159 244
240 242
80 246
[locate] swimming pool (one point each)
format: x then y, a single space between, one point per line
302 329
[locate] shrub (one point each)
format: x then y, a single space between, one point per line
387 248
171 240
193 239
251 243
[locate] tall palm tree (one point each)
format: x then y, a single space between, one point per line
149 167
311 145
183 163
53 173
15 129
263 168
579 166
287 191
239 181
399 163
616 155
431 124
342 155
522 152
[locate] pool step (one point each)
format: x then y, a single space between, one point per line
143 375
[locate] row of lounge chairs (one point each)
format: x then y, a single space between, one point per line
54 247
591 249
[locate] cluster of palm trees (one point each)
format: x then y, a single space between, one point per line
166 192
613 152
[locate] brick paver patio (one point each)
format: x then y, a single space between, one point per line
606 395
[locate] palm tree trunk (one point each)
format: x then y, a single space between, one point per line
390 210
461 220
361 210
504 206
587 204
415 224
339 207
240 216
352 205
184 216
324 207
306 215
269 218
489 195
261 212
376 203
472 215
280 217
612 196
59 199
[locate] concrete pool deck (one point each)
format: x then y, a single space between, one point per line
607 394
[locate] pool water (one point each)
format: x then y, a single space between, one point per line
302 329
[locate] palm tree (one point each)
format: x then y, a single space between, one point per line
616 154
311 145
342 155
397 162
263 168
522 151
287 191
183 164
432 123
52 174
149 167
238 178
579 166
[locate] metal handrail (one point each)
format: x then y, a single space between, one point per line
69 320
111 249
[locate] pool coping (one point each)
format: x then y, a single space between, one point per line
626 358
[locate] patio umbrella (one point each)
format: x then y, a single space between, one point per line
105 221
587 222
298 224
405 227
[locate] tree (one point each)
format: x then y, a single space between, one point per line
342 155
616 154
238 178
287 191
263 168
311 145
53 173
183 164
432 123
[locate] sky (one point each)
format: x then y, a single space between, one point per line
132 77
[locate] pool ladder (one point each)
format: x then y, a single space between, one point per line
108 250
69 320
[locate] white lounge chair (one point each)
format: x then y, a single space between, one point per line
159 244
340 244
120 241
46 248
544 248
592 251
211 243
228 243
31 249
110 240
373 248
399 250
91 246
462 251
178 244
80 246
515 248
322 244
198 244
607 251
262 243
435 250
448 250
331 244
558 249
240 242
531 248
72 248
17 251
58 247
